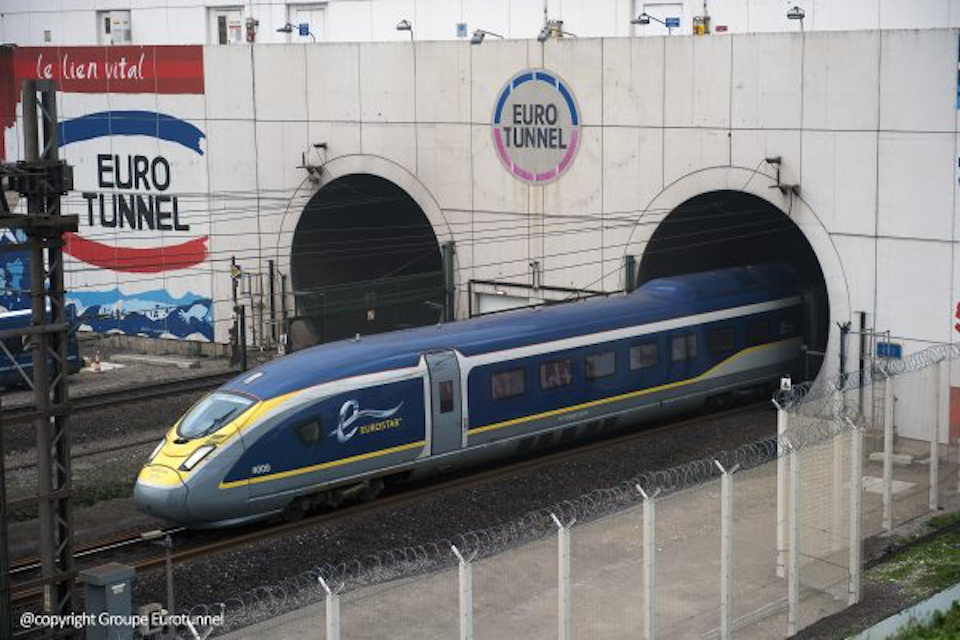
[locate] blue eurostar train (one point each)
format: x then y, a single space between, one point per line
16 354
340 419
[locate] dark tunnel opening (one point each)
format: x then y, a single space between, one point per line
731 228
364 260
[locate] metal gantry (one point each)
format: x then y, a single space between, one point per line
42 178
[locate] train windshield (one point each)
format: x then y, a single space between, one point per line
211 413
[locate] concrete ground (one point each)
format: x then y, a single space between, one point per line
515 593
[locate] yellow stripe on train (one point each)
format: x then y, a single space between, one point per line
623 396
324 465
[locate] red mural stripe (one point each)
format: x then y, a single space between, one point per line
132 260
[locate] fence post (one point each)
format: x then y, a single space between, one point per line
793 554
333 611
856 512
888 400
563 557
649 563
836 534
782 425
935 438
726 550
466 595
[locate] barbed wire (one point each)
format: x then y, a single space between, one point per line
406 562
825 396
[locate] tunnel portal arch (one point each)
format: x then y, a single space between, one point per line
725 227
364 258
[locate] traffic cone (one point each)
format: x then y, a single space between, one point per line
96 363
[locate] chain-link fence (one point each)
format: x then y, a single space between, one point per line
754 543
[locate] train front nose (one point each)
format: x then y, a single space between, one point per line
160 492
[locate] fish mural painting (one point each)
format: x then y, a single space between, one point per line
140 262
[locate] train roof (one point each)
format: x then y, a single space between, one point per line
656 300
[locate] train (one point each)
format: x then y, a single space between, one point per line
340 420
16 355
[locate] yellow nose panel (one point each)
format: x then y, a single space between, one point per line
158 475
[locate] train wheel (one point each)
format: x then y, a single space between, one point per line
296 509
372 489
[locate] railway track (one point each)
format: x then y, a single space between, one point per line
231 540
115 397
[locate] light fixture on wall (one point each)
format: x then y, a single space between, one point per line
553 29
644 19
302 29
479 34
797 13
404 25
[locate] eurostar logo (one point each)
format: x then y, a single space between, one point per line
351 413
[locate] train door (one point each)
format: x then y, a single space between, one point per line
446 407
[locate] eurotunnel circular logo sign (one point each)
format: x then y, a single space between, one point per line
536 126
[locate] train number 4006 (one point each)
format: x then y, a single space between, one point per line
260 469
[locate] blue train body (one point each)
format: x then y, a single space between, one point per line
16 356
338 419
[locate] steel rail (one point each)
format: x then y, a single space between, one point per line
114 397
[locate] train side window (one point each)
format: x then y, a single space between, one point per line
721 340
600 365
507 384
556 373
758 332
644 356
683 347
446 396
309 432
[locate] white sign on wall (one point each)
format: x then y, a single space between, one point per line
536 126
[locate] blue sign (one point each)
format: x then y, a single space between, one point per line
889 350
672 23
304 29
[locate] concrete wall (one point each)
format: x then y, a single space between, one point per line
73 22
865 122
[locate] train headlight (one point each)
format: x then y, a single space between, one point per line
196 457
157 450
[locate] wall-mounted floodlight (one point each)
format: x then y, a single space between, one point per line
479 34
553 29
796 13
644 19
404 25
302 29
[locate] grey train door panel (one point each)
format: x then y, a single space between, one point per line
445 402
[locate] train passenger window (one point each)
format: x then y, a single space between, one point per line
446 396
684 347
758 332
644 356
556 373
507 384
721 340
601 365
309 432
